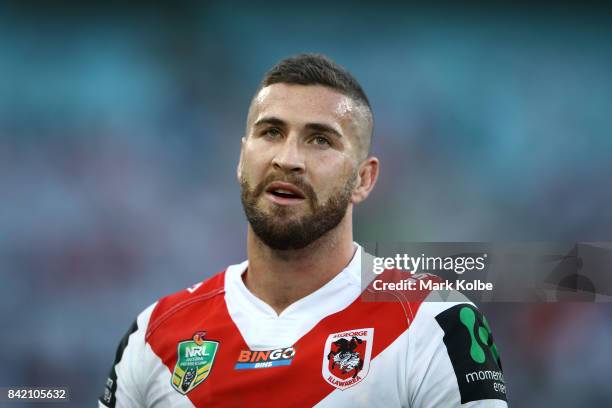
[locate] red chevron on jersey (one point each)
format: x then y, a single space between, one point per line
217 344
179 316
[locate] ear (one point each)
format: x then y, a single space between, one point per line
239 167
366 179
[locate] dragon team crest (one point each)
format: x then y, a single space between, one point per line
346 357
194 361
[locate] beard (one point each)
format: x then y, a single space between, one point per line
279 229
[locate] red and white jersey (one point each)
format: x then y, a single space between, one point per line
217 345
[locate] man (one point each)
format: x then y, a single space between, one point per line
288 327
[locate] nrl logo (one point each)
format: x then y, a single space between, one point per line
346 357
194 361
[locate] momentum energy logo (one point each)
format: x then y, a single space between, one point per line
468 318
473 353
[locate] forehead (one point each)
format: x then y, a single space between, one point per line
300 104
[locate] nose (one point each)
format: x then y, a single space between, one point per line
288 157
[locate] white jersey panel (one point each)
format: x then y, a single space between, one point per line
263 329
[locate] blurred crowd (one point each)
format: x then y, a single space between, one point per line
120 131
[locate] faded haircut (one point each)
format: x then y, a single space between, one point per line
315 69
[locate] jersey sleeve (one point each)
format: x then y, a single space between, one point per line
453 360
126 382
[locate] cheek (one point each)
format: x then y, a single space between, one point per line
331 173
253 162
337 164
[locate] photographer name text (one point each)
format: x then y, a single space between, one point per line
428 284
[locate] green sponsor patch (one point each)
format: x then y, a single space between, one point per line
473 353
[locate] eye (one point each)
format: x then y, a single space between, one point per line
320 140
271 133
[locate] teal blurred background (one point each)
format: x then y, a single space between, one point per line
120 130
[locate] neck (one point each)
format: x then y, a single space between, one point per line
281 277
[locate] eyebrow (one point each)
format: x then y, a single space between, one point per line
318 127
270 121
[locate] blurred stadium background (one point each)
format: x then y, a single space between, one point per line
120 130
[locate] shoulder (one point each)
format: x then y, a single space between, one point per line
185 299
451 342
434 320
438 302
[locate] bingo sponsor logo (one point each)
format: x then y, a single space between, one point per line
250 360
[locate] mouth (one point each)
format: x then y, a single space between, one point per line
284 193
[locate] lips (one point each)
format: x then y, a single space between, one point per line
285 191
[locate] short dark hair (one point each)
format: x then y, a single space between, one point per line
315 69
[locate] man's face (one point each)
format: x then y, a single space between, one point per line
298 164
